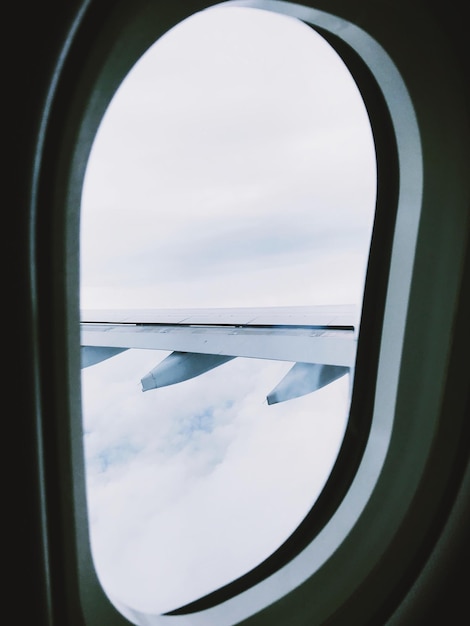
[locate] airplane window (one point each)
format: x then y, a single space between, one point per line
235 167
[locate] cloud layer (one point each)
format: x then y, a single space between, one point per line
235 167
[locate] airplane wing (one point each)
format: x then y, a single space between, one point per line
320 341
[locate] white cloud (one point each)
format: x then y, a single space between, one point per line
235 168
256 125
224 493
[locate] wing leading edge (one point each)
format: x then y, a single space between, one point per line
320 342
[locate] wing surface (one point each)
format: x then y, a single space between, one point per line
320 341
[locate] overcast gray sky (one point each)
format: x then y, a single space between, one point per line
234 167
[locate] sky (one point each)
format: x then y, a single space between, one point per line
234 167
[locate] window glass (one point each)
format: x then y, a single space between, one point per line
234 167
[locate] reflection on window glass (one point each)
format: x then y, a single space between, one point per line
234 167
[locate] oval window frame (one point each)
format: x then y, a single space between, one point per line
354 440
390 428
